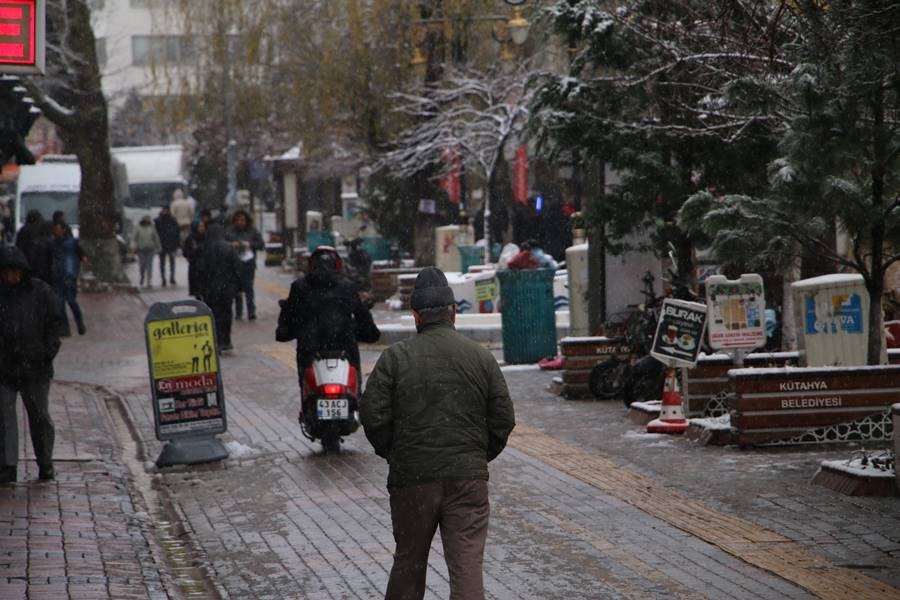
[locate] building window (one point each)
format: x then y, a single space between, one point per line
101 52
162 49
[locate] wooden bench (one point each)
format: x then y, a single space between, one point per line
812 405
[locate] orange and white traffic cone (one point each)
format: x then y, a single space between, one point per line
671 413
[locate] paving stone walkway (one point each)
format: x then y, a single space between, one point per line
284 521
84 535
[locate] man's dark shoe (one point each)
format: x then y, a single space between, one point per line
7 475
47 473
81 329
252 317
238 317
164 283
172 281
226 347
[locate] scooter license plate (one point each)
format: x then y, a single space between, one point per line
333 409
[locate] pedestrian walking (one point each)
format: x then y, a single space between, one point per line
170 240
34 242
218 279
30 327
182 212
192 250
146 245
246 239
438 409
66 257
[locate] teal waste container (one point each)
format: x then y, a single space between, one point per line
314 239
529 321
470 256
377 247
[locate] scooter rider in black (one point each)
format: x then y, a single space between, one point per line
324 312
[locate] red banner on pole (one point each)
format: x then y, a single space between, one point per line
450 183
520 176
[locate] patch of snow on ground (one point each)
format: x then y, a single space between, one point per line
661 444
722 423
238 450
648 406
855 467
640 435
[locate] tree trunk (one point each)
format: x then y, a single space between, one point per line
97 210
875 286
792 273
875 283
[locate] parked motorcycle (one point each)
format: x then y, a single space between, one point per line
637 376
329 404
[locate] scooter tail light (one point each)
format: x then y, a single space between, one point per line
333 389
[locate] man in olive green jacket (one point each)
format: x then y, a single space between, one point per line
438 409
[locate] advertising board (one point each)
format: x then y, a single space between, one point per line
737 309
22 41
679 333
185 379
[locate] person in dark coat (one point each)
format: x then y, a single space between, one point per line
66 258
438 409
193 248
30 327
323 311
218 280
34 242
170 240
246 239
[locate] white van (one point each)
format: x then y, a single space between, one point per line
154 173
49 186
54 183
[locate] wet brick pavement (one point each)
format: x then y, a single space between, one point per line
288 522
82 536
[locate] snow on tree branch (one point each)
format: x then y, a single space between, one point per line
471 112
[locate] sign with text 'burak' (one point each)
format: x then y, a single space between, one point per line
184 370
679 332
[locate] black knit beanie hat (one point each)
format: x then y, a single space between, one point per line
431 290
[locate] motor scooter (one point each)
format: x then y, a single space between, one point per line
329 400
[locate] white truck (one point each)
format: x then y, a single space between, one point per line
154 173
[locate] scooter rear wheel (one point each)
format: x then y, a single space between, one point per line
331 444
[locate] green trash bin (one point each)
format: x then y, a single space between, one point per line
529 321
470 256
